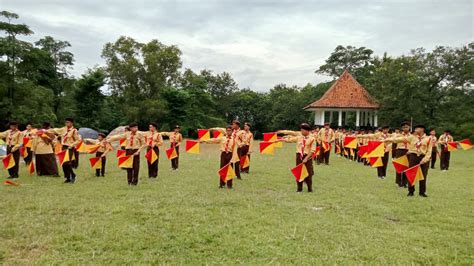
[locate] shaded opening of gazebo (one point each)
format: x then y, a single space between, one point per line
345 99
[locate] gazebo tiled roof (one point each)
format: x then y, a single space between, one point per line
346 92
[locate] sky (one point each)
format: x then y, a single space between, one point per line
260 43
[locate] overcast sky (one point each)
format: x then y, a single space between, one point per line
261 43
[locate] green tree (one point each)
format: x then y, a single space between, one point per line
89 98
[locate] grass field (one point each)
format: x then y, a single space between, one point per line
183 218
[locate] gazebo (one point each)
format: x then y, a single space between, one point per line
345 95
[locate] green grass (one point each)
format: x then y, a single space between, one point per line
183 218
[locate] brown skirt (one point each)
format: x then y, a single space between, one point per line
46 164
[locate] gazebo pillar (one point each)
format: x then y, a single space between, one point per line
322 117
339 118
376 119
357 118
330 116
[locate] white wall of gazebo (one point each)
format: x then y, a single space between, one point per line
363 116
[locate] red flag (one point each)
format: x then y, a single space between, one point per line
267 147
350 142
31 168
244 161
362 151
400 163
171 153
226 173
96 162
204 134
270 137
300 172
465 144
151 156
11 183
192 146
451 146
316 152
216 134
120 153
8 161
414 174
375 149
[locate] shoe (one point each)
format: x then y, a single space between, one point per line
299 191
67 181
410 194
73 180
424 195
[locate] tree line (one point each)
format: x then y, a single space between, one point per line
144 82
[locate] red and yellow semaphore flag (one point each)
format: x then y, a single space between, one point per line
375 149
8 161
326 146
120 153
63 156
27 142
81 147
465 144
300 172
272 137
31 168
350 142
375 161
414 174
204 134
123 142
96 162
125 161
23 152
244 161
192 146
216 134
92 148
400 163
226 173
267 147
316 152
151 156
451 146
11 183
171 153
362 151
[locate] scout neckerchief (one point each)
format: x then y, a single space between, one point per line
227 145
303 145
65 137
419 142
150 142
132 139
10 137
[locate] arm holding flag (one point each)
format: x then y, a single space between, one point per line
116 137
220 129
289 132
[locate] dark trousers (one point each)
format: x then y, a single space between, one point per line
413 160
46 164
336 144
308 180
400 179
324 156
382 170
225 160
445 156
347 152
68 166
236 167
175 161
434 154
28 158
13 172
101 171
153 167
75 163
243 151
132 173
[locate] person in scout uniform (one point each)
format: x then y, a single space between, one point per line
13 140
153 141
43 148
434 144
226 146
237 135
402 149
445 153
325 138
135 143
104 149
28 134
419 152
247 145
175 141
69 139
305 147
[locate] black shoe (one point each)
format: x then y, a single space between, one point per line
73 180
67 181
310 191
299 191
410 194
424 195
10 177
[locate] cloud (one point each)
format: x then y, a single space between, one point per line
261 43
